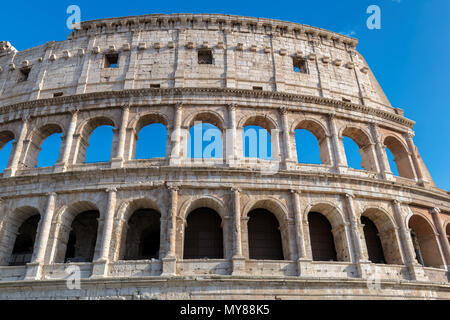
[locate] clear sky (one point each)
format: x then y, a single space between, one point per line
410 55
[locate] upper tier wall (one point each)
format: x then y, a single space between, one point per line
162 50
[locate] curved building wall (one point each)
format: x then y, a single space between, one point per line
68 87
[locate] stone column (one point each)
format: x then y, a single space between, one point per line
34 268
287 157
422 180
68 143
231 156
18 149
338 149
175 156
361 258
303 262
381 157
435 212
118 160
416 271
169 261
101 264
238 260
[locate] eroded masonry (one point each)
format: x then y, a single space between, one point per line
231 227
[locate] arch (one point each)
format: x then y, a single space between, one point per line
373 241
209 116
207 201
365 145
143 120
84 232
320 132
401 156
142 237
150 142
35 140
84 133
263 121
11 232
125 212
425 242
6 151
338 227
264 236
203 236
275 207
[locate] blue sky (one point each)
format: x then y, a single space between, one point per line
410 55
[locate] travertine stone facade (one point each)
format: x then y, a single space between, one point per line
65 87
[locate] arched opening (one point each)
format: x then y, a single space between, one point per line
321 237
49 153
100 143
358 149
95 141
149 137
381 237
425 243
401 158
264 236
373 242
257 138
307 147
82 237
203 235
392 164
24 243
43 147
257 143
6 145
204 141
143 235
311 143
152 142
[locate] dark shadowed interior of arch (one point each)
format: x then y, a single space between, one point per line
100 144
49 153
204 141
352 153
257 143
152 142
373 242
425 243
264 237
308 150
82 237
143 235
203 235
322 241
24 244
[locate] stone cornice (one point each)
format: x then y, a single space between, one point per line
207 22
180 92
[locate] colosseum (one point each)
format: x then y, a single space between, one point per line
229 227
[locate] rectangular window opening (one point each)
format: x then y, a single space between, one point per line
112 60
346 100
299 65
258 88
57 94
205 57
155 86
24 73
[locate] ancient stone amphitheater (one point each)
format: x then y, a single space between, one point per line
233 227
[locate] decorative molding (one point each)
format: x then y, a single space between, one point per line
283 96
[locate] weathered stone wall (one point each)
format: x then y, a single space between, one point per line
163 50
